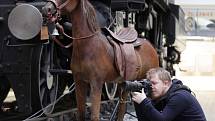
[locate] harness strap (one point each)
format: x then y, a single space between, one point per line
59 6
63 5
61 44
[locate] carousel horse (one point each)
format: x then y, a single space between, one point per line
98 58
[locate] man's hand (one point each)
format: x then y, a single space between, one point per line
138 97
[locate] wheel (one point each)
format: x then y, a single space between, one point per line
48 83
111 89
44 84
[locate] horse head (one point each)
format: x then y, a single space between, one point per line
56 7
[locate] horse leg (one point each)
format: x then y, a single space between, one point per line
95 95
122 105
80 90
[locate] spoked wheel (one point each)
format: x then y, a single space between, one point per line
111 89
47 84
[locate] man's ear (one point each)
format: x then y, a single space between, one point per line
166 82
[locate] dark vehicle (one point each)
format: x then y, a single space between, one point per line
36 67
27 57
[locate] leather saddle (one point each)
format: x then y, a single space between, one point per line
126 58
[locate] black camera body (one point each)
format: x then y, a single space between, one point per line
136 86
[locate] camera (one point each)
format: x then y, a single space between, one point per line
136 86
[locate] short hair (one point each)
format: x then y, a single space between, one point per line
160 72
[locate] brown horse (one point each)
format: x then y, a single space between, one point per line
93 58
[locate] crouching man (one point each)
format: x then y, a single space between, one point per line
170 100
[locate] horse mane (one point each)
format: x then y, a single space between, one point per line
90 13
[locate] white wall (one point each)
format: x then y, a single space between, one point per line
195 2
198 58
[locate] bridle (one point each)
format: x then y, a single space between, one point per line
61 6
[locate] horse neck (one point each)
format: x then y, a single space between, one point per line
81 25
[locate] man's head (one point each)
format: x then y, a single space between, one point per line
161 82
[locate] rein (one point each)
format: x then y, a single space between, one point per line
70 37
75 38
84 37
59 7
63 5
